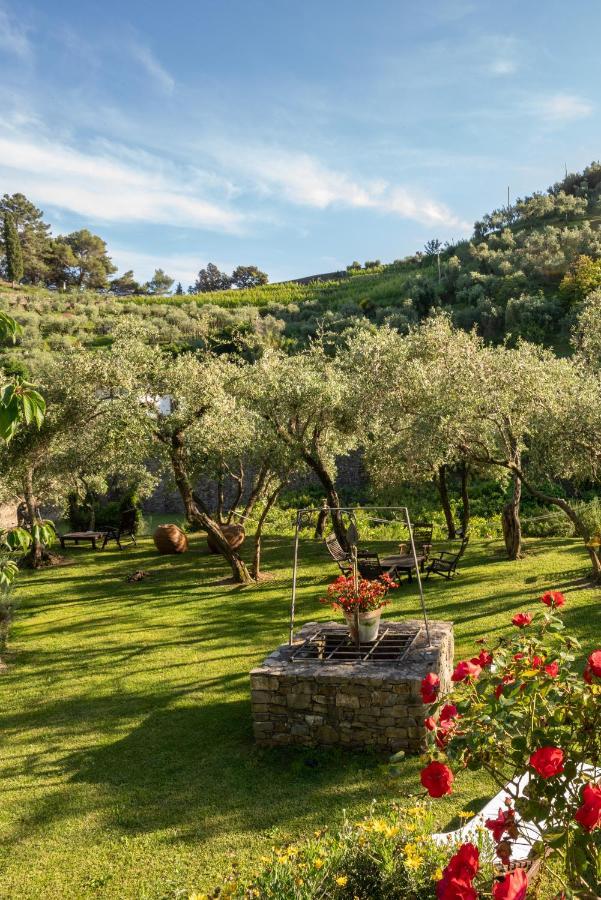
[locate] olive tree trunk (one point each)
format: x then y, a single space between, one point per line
197 513
443 492
510 519
579 526
465 498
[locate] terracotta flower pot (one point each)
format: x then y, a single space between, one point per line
170 539
234 535
369 625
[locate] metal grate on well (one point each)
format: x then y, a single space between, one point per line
334 645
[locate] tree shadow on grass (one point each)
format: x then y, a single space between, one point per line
196 769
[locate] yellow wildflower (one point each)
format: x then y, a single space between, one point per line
341 880
318 863
414 862
437 875
464 814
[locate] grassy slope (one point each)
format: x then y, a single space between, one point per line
127 762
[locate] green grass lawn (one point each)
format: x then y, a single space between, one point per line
127 760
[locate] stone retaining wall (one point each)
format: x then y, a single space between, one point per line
357 704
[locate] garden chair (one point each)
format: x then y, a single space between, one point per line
422 537
371 568
341 557
126 529
445 563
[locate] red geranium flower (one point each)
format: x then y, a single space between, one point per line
520 620
547 761
437 779
466 669
430 687
537 662
483 659
594 663
430 723
553 598
589 814
552 669
449 888
513 887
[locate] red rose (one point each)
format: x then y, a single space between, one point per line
507 679
520 620
589 814
456 881
498 826
552 669
449 711
594 663
547 761
430 687
449 888
466 670
513 887
553 598
437 779
483 659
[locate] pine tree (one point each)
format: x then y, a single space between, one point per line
12 249
179 289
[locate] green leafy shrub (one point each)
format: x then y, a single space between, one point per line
382 857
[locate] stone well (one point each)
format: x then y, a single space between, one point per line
306 694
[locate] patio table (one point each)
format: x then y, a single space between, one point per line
404 563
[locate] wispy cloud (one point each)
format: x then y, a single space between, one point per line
13 36
148 61
561 107
109 186
302 179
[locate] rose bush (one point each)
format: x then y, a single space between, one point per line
523 706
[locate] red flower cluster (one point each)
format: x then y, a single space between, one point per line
593 667
458 875
465 670
368 595
589 814
552 670
514 886
437 779
521 620
547 761
553 599
430 687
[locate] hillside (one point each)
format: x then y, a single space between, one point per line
522 275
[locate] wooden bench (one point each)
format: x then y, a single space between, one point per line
86 537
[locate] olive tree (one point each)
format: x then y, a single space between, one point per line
75 433
308 404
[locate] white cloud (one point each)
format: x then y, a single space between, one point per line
13 37
144 56
562 107
502 66
304 180
101 185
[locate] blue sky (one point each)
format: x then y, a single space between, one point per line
296 136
